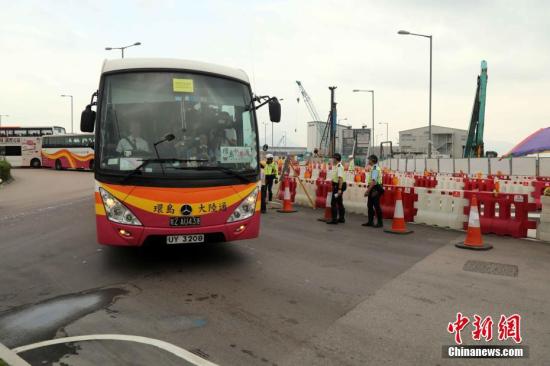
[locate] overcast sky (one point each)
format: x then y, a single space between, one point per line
48 48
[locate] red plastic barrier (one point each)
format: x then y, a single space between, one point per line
502 214
323 187
481 185
425 181
387 202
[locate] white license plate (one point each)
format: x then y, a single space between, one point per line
185 239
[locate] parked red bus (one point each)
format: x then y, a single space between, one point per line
176 151
71 151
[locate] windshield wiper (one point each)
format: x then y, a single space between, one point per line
147 161
220 169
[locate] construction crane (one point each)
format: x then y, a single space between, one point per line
474 144
321 130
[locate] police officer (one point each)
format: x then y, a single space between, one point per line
271 175
263 206
338 188
374 192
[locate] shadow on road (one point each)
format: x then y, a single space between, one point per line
186 258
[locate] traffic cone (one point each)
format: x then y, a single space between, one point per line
473 234
287 201
328 209
398 224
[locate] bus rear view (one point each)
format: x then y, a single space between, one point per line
176 152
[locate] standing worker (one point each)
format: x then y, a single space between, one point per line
374 191
271 175
338 188
263 198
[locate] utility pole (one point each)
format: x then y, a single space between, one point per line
333 122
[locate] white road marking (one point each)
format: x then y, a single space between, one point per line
175 350
11 357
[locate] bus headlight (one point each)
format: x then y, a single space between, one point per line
116 211
246 209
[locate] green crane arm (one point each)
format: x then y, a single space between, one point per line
474 144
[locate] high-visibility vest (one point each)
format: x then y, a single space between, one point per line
271 169
335 174
379 178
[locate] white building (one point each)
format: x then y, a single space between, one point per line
447 142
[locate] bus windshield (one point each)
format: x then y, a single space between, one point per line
177 123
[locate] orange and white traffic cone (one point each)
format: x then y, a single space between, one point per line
287 200
328 209
473 240
398 225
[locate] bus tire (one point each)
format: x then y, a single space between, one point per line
92 164
35 163
58 165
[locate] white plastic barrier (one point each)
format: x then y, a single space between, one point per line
449 183
517 187
354 198
315 173
440 208
543 228
301 198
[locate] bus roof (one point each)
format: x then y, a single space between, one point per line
171 63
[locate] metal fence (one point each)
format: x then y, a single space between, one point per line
513 166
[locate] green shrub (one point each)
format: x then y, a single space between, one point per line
5 168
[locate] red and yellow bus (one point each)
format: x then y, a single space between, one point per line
70 151
176 151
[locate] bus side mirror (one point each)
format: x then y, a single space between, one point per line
87 119
274 110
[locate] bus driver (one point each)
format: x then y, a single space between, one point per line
133 142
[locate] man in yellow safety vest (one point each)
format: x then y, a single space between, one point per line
263 205
374 191
271 175
338 188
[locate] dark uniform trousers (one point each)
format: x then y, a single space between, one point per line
373 204
269 185
337 204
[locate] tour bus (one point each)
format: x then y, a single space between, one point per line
21 151
70 151
21 146
176 151
16 131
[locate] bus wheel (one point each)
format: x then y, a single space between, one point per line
92 164
58 165
35 163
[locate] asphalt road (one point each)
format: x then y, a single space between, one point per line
254 302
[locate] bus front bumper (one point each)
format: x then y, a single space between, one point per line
112 233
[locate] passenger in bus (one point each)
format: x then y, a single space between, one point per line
133 142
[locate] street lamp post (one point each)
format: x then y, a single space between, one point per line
387 128
404 32
70 96
372 132
3 115
122 48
